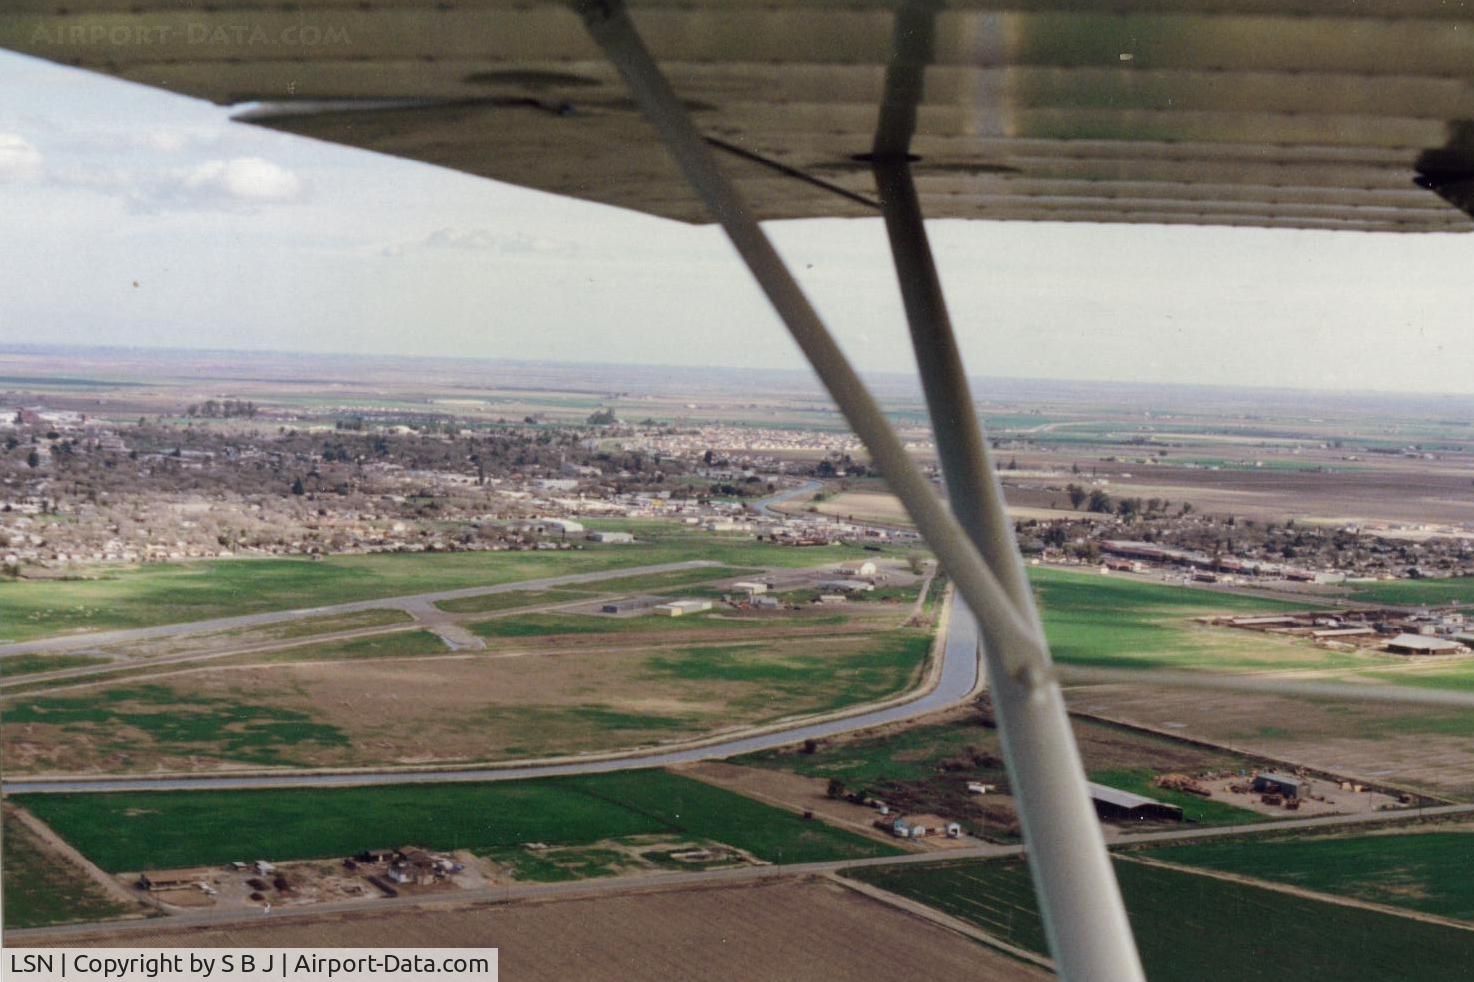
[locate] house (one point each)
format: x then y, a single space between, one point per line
679 608
415 866
856 567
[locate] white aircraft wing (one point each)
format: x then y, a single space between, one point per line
1282 113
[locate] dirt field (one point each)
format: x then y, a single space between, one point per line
791 930
1403 746
523 699
788 790
1396 490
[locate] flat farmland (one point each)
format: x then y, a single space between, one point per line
1198 928
1456 590
1119 622
1427 870
42 888
403 698
168 593
1419 747
931 763
169 829
798 930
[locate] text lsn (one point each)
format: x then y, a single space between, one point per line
20 964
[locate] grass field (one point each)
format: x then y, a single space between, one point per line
1198 929
1458 590
1115 622
129 719
131 831
167 593
864 670
39 890
32 664
1427 871
398 644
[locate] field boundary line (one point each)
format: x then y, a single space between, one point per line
918 909
63 850
1294 891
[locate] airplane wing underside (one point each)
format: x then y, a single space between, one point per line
1323 114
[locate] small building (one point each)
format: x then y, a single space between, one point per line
1272 782
766 603
1115 805
565 525
612 538
1418 644
831 598
752 589
845 586
160 882
679 608
856 567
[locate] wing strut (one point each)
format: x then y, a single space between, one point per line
1089 934
1084 918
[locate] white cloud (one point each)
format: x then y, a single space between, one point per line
245 179
20 161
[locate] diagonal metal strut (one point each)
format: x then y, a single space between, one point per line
611 27
1084 919
1087 926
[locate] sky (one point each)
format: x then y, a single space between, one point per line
130 216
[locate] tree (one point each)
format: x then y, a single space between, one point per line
1077 495
603 417
33 459
1099 501
915 563
298 487
835 789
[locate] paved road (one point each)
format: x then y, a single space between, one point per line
959 675
662 881
98 639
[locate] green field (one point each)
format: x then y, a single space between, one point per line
806 676
39 891
396 644
1427 871
146 830
120 720
1458 590
166 593
1198 929
13 665
1113 622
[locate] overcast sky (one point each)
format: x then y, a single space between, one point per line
135 217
